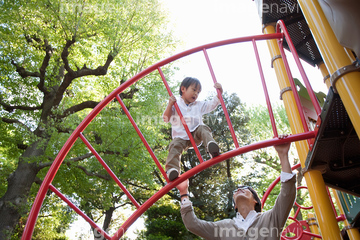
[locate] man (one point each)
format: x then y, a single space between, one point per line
249 222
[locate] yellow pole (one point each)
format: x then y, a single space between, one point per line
313 225
353 233
350 54
325 74
314 181
335 58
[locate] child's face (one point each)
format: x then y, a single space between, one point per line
191 93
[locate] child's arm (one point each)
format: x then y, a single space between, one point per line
208 106
168 110
218 86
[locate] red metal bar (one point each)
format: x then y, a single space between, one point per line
341 217
203 166
142 137
112 174
78 211
302 232
29 227
221 100
293 86
281 24
34 212
310 234
273 184
268 102
332 203
181 117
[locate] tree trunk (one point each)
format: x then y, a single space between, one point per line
14 202
106 224
228 173
108 217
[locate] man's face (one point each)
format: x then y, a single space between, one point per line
243 192
244 195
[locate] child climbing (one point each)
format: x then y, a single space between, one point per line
192 112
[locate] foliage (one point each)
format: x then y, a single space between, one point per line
59 59
164 222
52 222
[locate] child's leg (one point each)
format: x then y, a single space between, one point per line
203 133
176 148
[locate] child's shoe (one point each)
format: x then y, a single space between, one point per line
213 149
172 174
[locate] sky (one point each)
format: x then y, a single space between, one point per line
198 22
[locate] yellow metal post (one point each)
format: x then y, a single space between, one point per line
325 74
313 225
335 58
314 180
353 233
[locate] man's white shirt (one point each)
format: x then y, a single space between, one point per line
240 221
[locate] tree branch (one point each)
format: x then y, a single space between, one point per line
72 160
65 54
8 120
60 129
44 65
78 107
91 174
84 71
10 108
136 185
22 72
30 39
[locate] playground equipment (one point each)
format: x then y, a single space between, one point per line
318 170
317 44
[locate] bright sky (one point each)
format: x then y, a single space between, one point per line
198 22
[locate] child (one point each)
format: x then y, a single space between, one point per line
192 112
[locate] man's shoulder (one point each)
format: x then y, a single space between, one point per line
225 222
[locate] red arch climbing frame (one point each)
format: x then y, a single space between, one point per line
46 185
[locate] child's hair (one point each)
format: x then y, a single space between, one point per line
188 81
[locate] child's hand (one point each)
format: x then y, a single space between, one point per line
172 99
183 187
218 86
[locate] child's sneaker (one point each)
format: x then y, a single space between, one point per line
213 149
172 174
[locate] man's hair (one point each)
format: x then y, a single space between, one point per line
255 195
188 81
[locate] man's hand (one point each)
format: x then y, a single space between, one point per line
283 151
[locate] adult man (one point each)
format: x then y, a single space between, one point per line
249 222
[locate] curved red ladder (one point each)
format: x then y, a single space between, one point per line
46 184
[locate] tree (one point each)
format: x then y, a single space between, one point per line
58 60
164 222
